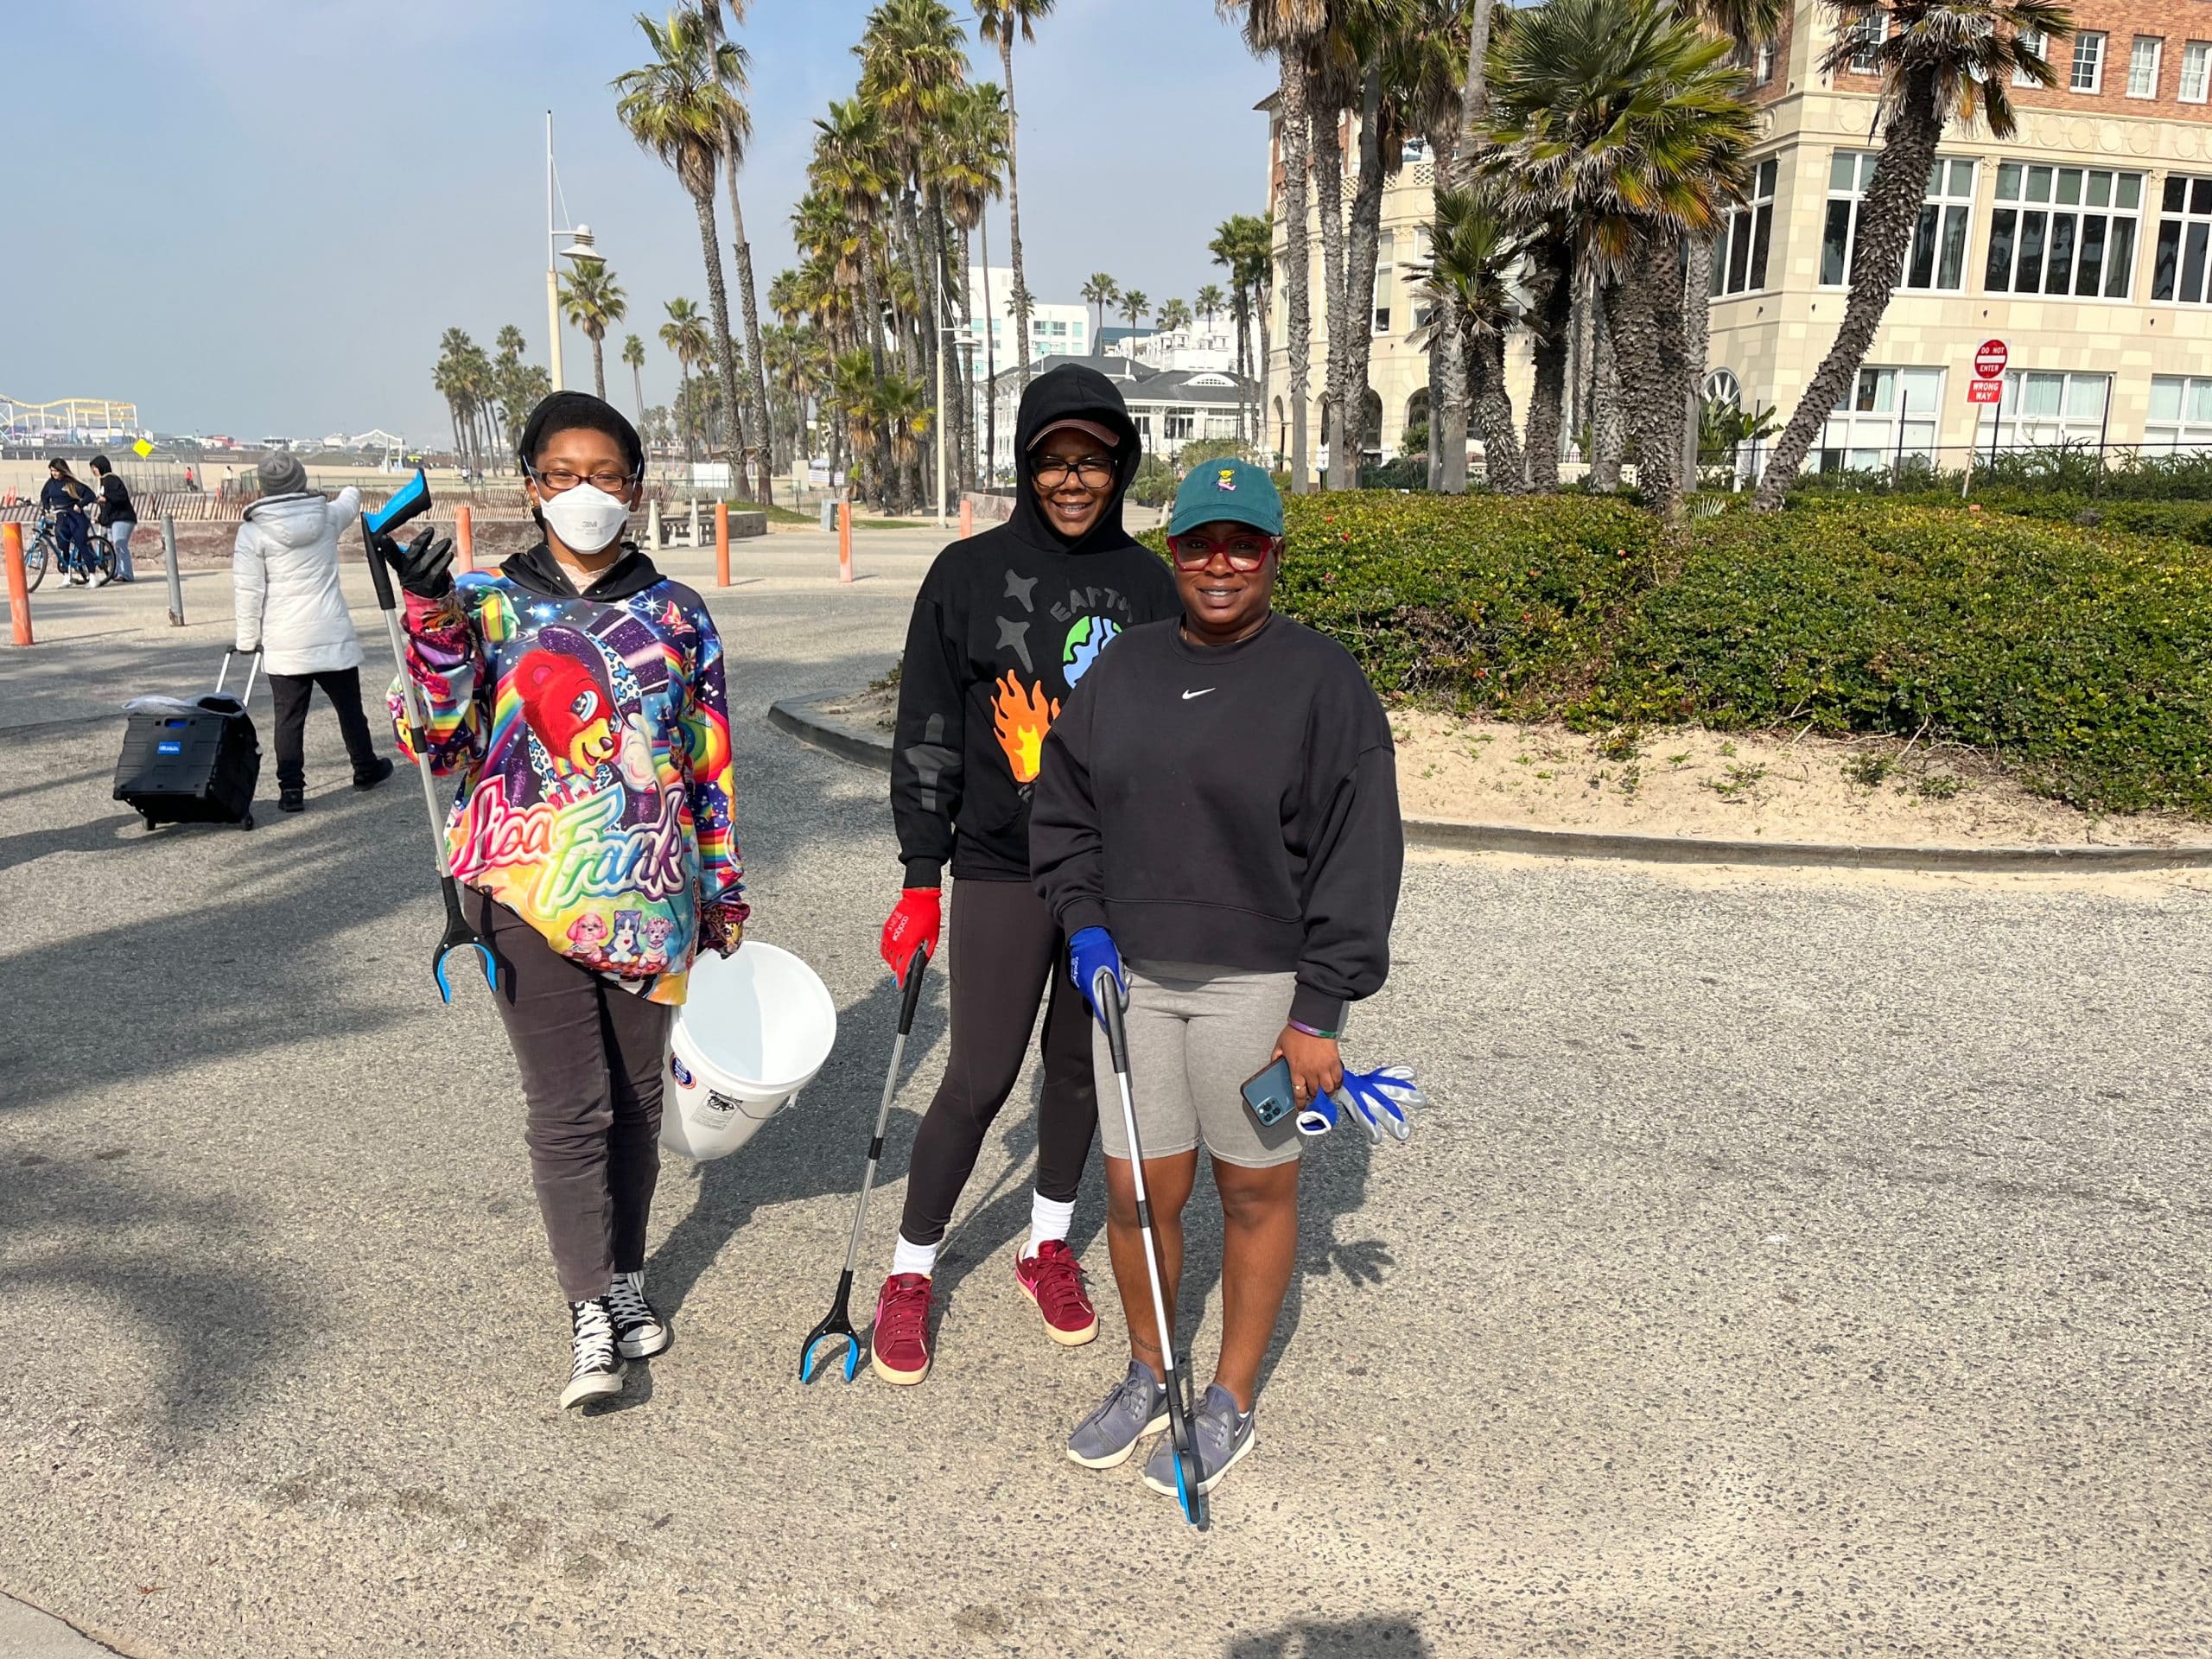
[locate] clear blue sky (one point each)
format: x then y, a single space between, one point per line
258 216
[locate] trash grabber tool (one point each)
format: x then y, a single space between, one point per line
840 1321
1106 996
409 501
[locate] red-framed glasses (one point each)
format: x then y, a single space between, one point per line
1246 550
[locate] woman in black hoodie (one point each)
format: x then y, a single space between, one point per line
1006 625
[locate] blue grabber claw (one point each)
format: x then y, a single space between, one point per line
838 1323
458 936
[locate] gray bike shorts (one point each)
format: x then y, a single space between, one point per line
1196 1033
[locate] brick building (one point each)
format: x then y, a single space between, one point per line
2081 242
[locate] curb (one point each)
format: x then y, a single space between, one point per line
803 718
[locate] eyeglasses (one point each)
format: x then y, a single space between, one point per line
1245 553
1092 471
554 480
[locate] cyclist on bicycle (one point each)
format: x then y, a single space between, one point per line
64 496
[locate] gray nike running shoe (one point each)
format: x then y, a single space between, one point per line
1136 1407
1223 1434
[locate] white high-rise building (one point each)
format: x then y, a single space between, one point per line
1054 330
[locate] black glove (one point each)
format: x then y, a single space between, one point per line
424 566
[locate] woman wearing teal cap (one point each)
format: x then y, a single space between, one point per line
1217 805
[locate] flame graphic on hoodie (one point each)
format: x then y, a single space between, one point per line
1020 720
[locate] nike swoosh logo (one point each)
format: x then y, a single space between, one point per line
1187 696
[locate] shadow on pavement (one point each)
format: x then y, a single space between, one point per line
1358 1638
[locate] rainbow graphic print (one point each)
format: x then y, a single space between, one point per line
591 740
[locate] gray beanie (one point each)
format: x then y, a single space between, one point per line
281 474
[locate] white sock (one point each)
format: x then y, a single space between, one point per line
1048 1220
911 1257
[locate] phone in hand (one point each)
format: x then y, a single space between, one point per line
1269 1094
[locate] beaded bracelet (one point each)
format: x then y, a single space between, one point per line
1300 1025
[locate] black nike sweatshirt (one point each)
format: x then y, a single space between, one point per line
1235 805
1006 625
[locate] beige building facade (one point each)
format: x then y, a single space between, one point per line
2080 243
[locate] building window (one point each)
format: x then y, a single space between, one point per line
2063 230
2088 63
1220 426
2195 71
2043 409
1179 425
2143 66
1416 149
1739 252
1937 258
2181 414
2177 270
2032 41
1143 420
1889 414
1763 64
1385 283
1867 36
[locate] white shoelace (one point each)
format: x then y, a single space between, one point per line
625 1300
594 1338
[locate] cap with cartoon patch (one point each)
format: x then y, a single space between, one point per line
1231 490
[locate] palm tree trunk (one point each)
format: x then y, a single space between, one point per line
637 390
598 366
1646 386
718 299
1239 306
990 364
1014 210
1299 277
1493 406
1255 299
1366 237
1608 432
1887 218
872 288
751 306
1447 362
1552 325
1328 161
966 357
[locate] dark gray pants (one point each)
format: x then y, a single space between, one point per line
591 1056
289 693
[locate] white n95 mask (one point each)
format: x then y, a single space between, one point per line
584 516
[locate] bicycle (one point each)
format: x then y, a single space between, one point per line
45 549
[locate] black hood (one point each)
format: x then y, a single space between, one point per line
1073 392
541 573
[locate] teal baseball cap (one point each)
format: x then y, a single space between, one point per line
1229 489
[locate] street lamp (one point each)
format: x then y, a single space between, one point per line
580 248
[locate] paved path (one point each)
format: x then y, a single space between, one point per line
26 1633
1791 1265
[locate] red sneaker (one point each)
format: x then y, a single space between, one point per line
899 1347
1054 1281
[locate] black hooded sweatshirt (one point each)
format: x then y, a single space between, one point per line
1006 624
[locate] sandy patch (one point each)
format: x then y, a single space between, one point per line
1686 781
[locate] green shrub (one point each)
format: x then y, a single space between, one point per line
2086 658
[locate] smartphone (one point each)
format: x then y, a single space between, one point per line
1268 1095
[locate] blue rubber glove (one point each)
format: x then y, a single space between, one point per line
1090 950
1377 1101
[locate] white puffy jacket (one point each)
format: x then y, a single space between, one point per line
285 570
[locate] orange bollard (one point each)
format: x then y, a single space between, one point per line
19 586
967 518
464 540
844 541
722 544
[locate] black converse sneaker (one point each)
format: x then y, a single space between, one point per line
639 1331
598 1367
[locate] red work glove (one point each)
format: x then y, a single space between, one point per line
914 923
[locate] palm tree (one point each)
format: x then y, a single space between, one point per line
1134 304
591 300
680 108
969 159
1286 29
1474 258
1244 246
1173 316
685 334
851 176
738 134
633 353
999 20
1211 303
1942 60
449 377
1100 292
1624 117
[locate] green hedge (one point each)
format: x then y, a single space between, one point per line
2083 657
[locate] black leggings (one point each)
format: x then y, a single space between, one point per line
289 693
1005 949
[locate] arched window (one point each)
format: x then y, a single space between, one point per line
1722 387
1370 411
1417 408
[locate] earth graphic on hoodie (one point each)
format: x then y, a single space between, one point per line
1090 636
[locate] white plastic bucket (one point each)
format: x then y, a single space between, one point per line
754 1031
